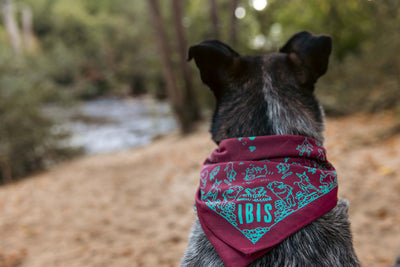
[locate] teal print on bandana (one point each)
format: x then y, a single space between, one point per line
214 172
321 154
304 183
256 191
213 192
232 193
258 194
283 168
305 148
257 205
254 172
245 141
255 234
230 173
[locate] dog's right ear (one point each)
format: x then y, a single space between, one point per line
310 54
215 60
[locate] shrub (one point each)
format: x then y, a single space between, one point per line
28 141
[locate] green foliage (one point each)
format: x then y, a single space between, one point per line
94 47
368 81
347 22
27 139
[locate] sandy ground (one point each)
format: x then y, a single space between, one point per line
135 208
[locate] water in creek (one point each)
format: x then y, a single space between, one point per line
108 125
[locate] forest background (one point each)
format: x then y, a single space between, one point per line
127 59
59 52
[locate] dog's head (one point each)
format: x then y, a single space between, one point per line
265 95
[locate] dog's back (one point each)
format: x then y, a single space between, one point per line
273 95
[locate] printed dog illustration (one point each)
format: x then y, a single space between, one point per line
284 192
273 94
305 184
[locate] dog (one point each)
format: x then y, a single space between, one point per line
267 95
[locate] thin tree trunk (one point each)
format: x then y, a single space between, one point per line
233 30
27 29
214 19
174 94
190 100
11 25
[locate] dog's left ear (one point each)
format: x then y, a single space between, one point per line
216 61
309 54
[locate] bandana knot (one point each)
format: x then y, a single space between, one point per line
256 191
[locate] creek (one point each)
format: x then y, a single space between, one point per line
111 124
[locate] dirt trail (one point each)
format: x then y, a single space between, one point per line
135 208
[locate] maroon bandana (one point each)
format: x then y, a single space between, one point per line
256 191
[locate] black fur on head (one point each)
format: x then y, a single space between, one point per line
216 62
309 54
265 95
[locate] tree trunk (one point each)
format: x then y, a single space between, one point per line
233 30
214 19
27 29
5 170
174 94
11 26
193 112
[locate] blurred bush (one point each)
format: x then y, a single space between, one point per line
365 82
95 48
368 80
28 141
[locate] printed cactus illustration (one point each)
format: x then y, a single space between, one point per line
213 192
305 148
230 173
214 172
203 179
328 181
321 154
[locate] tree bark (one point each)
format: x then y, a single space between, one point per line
174 94
27 29
5 170
214 19
188 93
11 26
233 30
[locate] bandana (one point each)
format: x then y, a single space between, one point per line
256 191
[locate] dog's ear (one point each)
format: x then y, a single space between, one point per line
309 54
215 61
